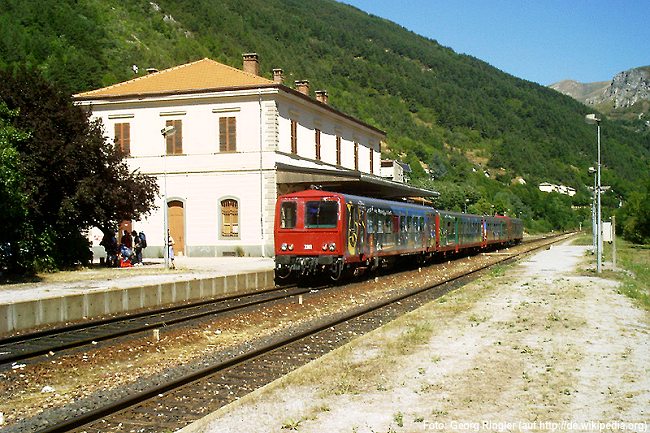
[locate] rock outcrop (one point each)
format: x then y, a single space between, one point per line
626 89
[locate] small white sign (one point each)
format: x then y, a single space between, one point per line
607 232
308 246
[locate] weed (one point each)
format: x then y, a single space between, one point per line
291 424
399 419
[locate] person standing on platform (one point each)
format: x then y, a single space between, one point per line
170 243
137 248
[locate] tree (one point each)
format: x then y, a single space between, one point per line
12 217
635 216
70 178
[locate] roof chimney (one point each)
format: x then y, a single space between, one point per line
278 76
321 96
251 63
302 86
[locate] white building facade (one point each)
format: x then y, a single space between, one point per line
240 140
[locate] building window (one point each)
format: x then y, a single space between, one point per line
294 137
123 137
175 140
227 134
372 161
317 142
229 218
356 155
338 150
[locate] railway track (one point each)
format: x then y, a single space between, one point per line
26 346
172 404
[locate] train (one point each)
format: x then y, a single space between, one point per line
339 235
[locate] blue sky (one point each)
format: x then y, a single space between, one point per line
544 41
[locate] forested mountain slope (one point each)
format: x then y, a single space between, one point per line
456 114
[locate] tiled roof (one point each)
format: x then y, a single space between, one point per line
201 75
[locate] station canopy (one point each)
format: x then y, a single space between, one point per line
291 178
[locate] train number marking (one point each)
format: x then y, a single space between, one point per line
308 246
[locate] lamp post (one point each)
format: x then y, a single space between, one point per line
167 131
592 171
591 119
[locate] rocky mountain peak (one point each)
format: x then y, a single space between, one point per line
626 89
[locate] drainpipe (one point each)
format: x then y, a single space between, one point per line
259 101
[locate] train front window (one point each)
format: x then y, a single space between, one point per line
288 215
321 214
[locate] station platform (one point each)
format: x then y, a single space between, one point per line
98 291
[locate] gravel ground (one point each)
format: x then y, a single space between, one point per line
533 347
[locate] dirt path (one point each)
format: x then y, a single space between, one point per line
533 347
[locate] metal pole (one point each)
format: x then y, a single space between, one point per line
600 223
165 211
593 218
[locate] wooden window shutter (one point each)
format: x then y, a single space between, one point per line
317 140
356 155
232 134
372 161
294 137
223 135
338 150
227 134
123 137
175 141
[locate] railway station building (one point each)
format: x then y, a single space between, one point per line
223 143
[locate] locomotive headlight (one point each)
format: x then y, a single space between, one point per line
283 247
325 247
290 247
332 246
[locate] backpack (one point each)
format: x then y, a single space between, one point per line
143 240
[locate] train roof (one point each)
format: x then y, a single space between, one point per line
385 203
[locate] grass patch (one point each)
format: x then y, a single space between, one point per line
635 260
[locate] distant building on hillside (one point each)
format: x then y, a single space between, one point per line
562 189
223 143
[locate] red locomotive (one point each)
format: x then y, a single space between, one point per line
320 232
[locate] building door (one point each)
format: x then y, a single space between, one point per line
176 218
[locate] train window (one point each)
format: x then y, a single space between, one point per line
288 215
371 221
321 214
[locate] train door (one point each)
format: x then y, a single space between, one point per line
437 229
484 233
356 229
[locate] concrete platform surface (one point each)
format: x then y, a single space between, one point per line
98 291
153 272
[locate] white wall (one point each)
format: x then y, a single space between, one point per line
202 175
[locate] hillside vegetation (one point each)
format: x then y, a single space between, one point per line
457 115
